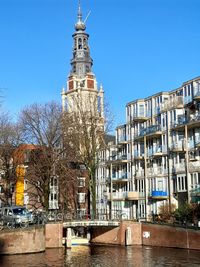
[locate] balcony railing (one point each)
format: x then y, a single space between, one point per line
182 120
154 150
138 154
187 99
177 145
132 195
156 110
172 103
158 194
121 176
194 166
155 171
150 130
118 157
129 195
139 114
116 195
179 167
122 138
196 92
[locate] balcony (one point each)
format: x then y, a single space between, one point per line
117 158
116 196
120 177
177 146
179 168
139 117
180 122
156 171
128 195
150 132
132 195
194 166
155 151
122 139
177 102
187 99
197 94
158 194
194 120
138 155
156 111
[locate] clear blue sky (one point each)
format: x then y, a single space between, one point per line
139 47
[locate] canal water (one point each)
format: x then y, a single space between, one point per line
104 256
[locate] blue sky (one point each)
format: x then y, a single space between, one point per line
139 47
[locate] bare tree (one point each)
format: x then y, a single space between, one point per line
8 142
84 129
40 124
49 160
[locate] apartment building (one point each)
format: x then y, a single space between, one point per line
156 158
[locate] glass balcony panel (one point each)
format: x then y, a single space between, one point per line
187 99
159 193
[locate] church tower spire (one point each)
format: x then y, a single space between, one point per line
81 84
81 62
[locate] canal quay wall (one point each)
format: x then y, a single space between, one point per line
170 236
118 235
128 233
19 241
147 234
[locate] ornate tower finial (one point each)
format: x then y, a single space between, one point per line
79 11
80 25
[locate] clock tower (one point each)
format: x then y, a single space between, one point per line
81 83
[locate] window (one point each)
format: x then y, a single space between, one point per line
141 210
26 156
81 181
81 197
141 110
189 91
79 43
195 180
182 183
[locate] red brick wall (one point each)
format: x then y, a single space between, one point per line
169 236
54 235
116 235
20 241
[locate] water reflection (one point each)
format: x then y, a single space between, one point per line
103 256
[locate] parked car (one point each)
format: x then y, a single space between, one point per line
13 216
